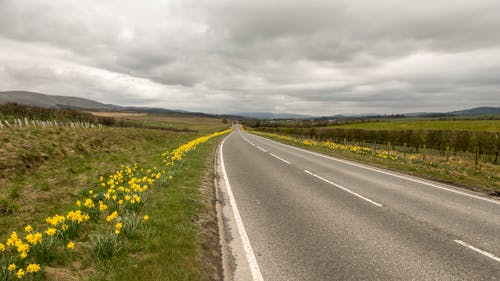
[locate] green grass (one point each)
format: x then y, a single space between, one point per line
44 170
412 124
172 246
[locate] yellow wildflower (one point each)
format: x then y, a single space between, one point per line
89 203
28 228
32 268
20 273
70 245
2 247
11 267
112 216
50 231
34 239
65 227
78 203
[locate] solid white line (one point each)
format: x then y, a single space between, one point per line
489 255
343 188
279 158
252 261
450 189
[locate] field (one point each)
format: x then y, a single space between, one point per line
412 124
201 124
43 171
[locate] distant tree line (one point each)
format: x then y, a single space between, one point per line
482 142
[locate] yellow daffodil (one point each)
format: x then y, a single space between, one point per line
50 231
32 268
11 267
20 273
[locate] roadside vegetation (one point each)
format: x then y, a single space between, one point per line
463 157
107 203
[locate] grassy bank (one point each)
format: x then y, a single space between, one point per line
45 170
459 171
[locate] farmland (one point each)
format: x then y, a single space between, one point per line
412 124
45 170
202 124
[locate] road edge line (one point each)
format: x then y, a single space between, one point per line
252 261
226 267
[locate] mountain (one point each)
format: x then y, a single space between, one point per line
50 101
269 115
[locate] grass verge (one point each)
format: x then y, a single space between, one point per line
181 242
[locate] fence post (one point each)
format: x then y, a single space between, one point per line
448 153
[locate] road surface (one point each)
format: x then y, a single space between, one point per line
298 215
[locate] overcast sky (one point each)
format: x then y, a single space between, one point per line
310 57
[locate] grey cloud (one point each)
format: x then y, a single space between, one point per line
312 57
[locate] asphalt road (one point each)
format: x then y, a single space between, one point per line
312 217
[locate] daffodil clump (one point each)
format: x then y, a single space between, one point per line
115 205
170 158
336 146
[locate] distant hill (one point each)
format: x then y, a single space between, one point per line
477 111
50 101
269 115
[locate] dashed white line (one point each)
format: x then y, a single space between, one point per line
343 188
279 158
261 149
484 253
450 189
252 261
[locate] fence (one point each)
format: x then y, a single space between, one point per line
23 123
480 146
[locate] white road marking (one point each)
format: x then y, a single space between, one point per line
343 188
261 149
252 261
279 158
484 253
450 189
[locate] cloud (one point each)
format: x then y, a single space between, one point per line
311 57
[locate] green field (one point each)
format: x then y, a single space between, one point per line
413 124
200 124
